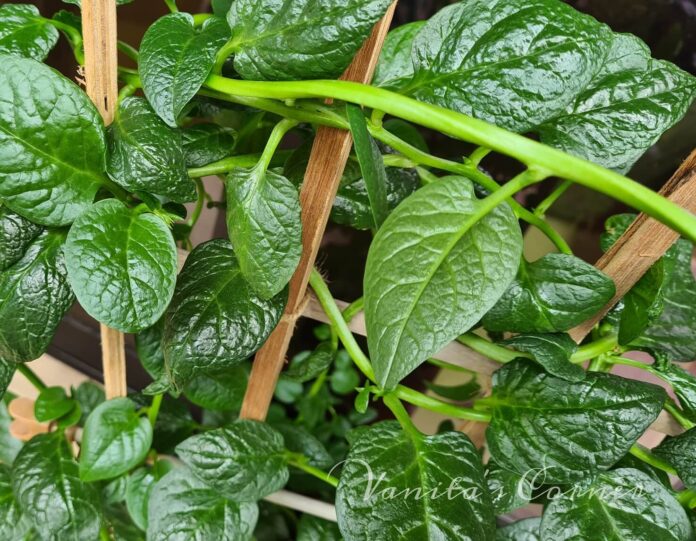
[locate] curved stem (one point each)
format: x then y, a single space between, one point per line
282 128
28 373
449 410
546 204
130 51
202 195
300 462
227 164
171 4
153 410
397 408
646 456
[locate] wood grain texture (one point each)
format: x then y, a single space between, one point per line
101 81
643 243
326 164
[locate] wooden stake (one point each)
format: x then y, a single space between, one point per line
643 243
326 164
101 79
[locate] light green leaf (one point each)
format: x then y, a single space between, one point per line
395 67
552 352
53 403
431 274
23 32
138 489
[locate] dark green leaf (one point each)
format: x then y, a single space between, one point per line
406 132
88 395
146 155
221 7
683 383
297 39
389 483
7 372
207 143
522 530
299 440
431 274
148 346
315 529
183 507
288 391
48 175
614 227
571 430
120 524
122 265
459 393
115 439
552 294
552 352
395 67
53 403
243 462
509 490
12 524
48 488
16 234
9 445
625 502
304 368
34 297
680 452
23 32
215 321
138 489
175 59
263 220
222 390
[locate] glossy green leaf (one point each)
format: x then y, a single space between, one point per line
431 274
244 462
221 391
680 452
552 352
114 491
122 265
625 503
509 490
34 297
683 383
12 524
115 440
263 220
304 368
389 483
175 59
23 32
148 346
183 507
522 530
570 429
296 39
207 143
552 294
300 440
315 529
9 445
395 66
16 234
146 155
72 418
7 372
88 395
48 488
120 524
52 403
138 489
48 175
215 321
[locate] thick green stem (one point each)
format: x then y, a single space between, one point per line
282 128
646 456
73 36
227 164
200 202
687 498
448 410
153 410
171 4
397 408
300 462
457 125
28 373
488 349
547 203
130 51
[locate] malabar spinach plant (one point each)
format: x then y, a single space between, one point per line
95 214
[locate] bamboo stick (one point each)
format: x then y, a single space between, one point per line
101 80
326 164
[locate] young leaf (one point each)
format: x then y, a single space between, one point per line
34 297
88 395
371 164
115 439
552 352
552 294
680 452
395 67
53 403
16 234
138 489
300 440
304 368
522 530
207 143
315 529
215 321
431 274
122 265
244 462
175 59
23 32
263 219
146 155
183 507
509 490
570 429
48 488
48 175
394 486
296 39
625 502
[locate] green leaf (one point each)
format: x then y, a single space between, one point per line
552 294
509 490
627 106
12 524
214 320
79 3
300 440
114 491
552 352
315 529
146 155
431 274
522 530
48 488
7 372
148 346
115 440
395 67
625 502
407 132
183 507
48 175
207 143
344 381
371 164
680 452
9 445
138 490
16 234
570 429
304 368
297 39
120 524
221 7
287 390
52 403
88 395
175 59
244 462
122 265
220 391
683 383
458 393
23 32
389 480
34 297
263 220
